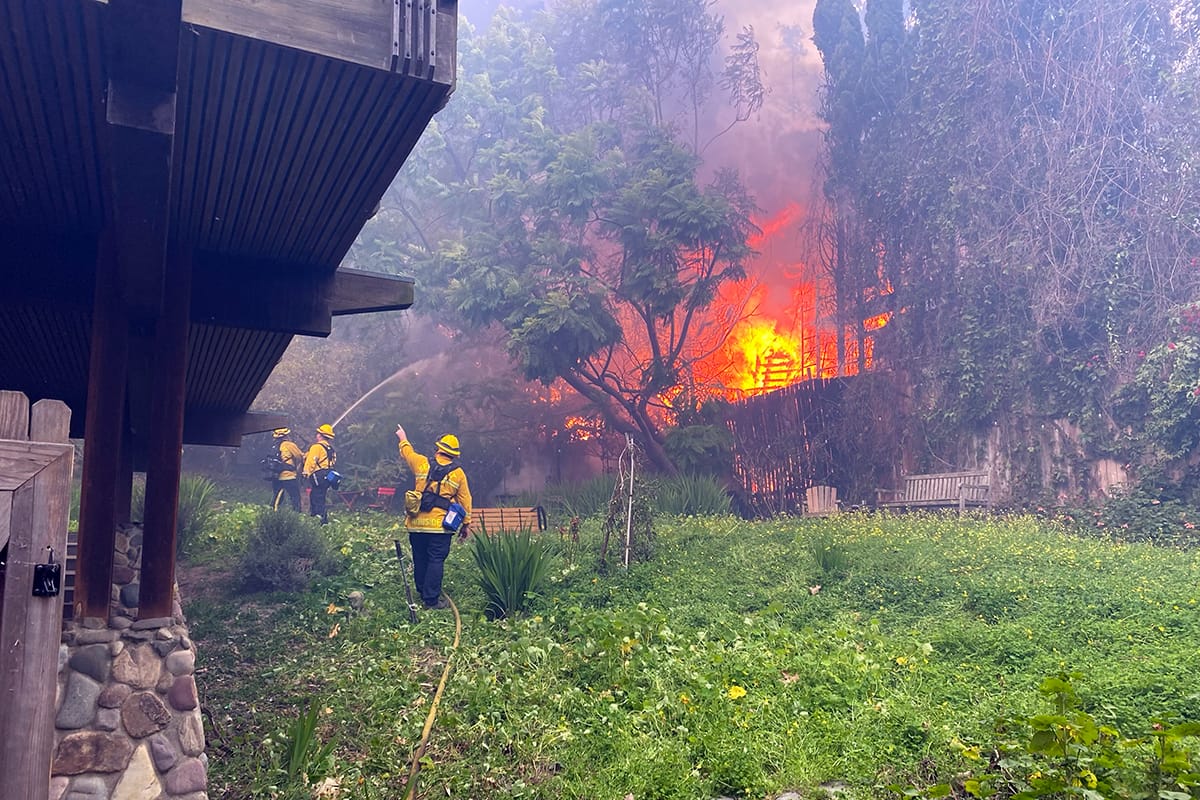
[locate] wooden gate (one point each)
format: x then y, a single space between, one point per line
35 498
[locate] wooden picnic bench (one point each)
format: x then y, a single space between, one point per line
508 518
938 490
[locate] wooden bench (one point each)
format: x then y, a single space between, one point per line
820 501
497 520
938 490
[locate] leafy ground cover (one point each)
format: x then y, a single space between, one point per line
841 655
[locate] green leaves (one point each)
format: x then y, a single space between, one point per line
512 566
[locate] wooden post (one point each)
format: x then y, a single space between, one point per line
35 477
124 488
104 422
156 591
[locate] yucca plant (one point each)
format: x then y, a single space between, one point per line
195 511
305 760
694 495
511 568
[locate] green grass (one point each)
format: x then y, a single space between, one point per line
719 668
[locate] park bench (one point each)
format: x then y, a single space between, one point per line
508 518
938 490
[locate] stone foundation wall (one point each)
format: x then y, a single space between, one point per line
128 724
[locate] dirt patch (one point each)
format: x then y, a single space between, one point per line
202 582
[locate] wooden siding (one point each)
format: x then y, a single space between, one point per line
230 384
46 348
51 85
283 155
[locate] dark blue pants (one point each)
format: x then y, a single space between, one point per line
316 502
429 559
290 488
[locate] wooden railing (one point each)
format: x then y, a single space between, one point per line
35 499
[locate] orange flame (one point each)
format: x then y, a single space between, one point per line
786 335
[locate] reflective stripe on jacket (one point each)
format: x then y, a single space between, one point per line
453 487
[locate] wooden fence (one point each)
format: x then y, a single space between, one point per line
35 499
838 432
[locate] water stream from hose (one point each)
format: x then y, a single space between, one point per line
372 391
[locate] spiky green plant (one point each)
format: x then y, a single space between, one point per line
692 495
195 513
512 567
564 501
304 759
830 556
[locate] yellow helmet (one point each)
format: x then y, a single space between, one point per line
448 444
326 430
281 432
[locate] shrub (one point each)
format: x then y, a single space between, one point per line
1136 514
690 495
284 552
511 568
1068 752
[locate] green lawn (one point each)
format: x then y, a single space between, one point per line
717 669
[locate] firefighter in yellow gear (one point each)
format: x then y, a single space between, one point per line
440 482
291 462
318 462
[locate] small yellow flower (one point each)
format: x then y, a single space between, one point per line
683 698
736 691
901 660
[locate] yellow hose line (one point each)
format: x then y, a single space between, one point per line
437 698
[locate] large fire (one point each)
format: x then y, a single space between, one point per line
784 327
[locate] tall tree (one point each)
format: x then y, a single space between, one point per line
556 204
1022 170
598 252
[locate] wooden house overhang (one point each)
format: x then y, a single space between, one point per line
179 182
251 140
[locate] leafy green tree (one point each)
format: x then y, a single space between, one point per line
555 204
598 252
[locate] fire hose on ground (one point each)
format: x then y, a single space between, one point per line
415 766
